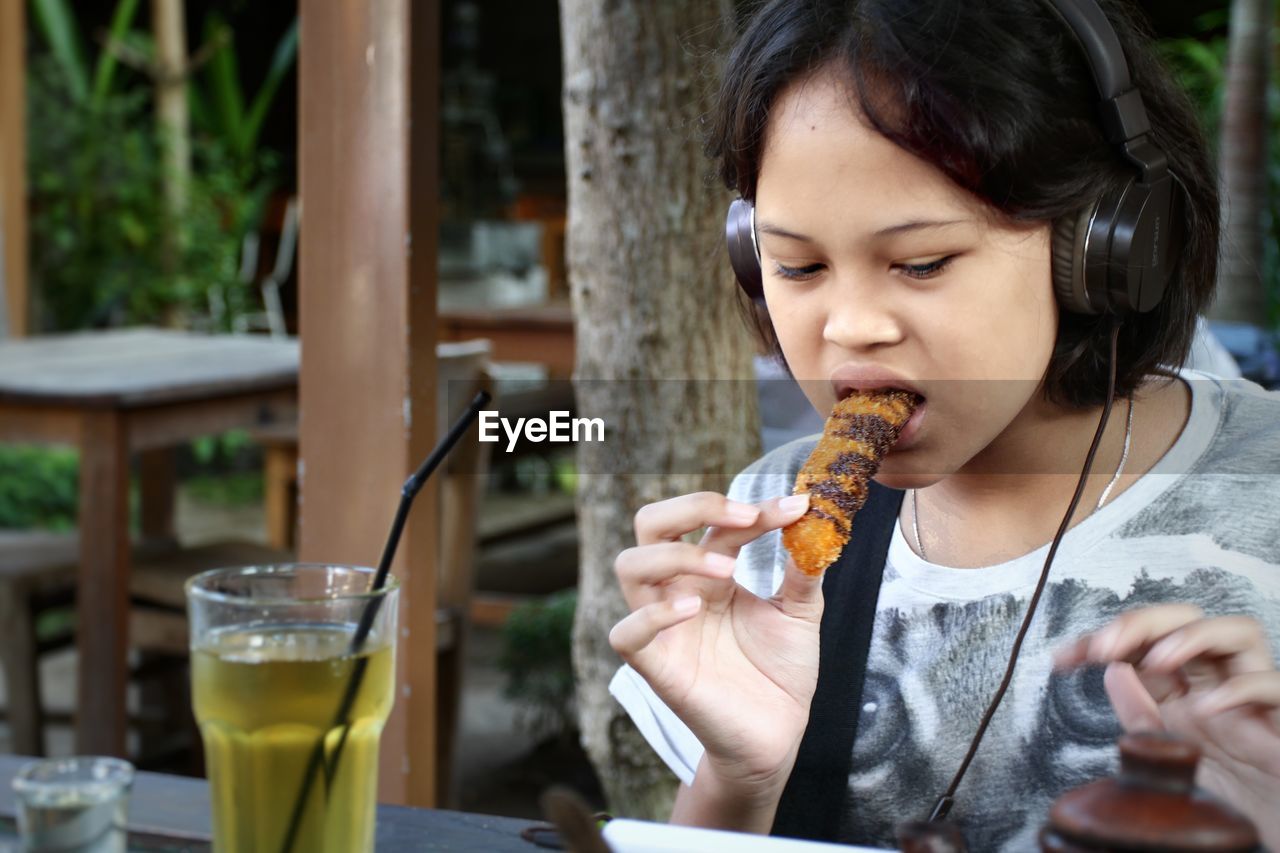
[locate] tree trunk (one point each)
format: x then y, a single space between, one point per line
656 322
169 25
1241 293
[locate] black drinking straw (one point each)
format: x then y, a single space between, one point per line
408 492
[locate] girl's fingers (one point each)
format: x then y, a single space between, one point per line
1128 636
1238 640
1133 705
643 571
1163 686
800 595
775 513
1252 688
667 521
632 638
1073 654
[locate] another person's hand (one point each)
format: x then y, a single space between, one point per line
1212 681
739 670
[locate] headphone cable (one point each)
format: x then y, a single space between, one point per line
943 807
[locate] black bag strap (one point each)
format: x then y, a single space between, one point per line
813 801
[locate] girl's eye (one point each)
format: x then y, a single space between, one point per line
797 273
918 271
928 270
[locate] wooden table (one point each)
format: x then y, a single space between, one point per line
112 394
171 813
541 333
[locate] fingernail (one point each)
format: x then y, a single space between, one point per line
688 604
795 504
720 563
745 513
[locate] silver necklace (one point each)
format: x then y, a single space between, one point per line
1124 457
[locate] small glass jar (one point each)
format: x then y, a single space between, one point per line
74 805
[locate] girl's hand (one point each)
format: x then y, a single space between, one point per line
739 670
1214 682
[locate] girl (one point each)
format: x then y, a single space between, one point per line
908 161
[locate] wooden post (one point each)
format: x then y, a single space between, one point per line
13 168
102 591
157 482
369 81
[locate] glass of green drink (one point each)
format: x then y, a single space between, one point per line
293 676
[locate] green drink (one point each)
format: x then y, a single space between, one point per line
271 668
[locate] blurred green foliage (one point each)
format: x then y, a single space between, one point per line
223 109
38 487
105 250
537 658
221 451
239 488
1200 63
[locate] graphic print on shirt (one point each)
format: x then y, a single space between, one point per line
932 672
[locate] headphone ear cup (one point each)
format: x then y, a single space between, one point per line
739 235
1068 262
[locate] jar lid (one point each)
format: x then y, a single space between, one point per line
1152 804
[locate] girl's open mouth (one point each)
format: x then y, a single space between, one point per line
912 428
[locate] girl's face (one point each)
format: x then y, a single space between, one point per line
878 270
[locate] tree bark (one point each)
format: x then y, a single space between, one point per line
169 25
662 354
1244 162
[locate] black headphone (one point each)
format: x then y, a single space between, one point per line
1116 256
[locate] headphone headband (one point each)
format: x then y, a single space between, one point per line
1101 45
1123 114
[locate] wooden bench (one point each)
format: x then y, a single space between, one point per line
37 573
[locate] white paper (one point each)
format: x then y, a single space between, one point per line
638 836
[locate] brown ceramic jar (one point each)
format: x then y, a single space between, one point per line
930 837
1152 805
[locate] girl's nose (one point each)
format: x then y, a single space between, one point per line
858 318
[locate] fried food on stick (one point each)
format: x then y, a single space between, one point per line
860 431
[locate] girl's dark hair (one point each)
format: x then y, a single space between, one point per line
999 96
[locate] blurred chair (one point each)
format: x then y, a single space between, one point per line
4 293
1251 352
463 370
272 318
38 577
37 574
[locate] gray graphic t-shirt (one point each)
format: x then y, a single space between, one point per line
1202 526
